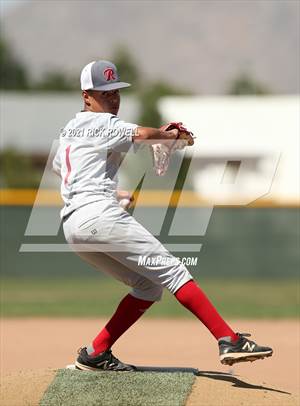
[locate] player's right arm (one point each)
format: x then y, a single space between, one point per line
151 135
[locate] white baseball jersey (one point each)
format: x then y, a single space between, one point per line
88 157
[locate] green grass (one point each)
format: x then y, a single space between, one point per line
93 297
75 388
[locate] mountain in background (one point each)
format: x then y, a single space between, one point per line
198 45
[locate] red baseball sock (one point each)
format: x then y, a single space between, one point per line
191 296
128 312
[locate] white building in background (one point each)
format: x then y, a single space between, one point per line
30 122
259 135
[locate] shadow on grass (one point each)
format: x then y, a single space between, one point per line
219 376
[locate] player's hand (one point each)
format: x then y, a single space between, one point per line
125 199
182 132
174 132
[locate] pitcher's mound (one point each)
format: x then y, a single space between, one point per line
25 387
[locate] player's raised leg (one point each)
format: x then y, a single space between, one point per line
233 347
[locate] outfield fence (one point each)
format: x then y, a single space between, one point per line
254 241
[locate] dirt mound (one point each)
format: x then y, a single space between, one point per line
216 388
25 387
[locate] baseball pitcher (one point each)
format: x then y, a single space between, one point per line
105 235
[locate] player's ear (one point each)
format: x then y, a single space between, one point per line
86 97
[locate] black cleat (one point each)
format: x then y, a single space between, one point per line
105 361
242 351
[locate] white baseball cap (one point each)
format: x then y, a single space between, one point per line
101 75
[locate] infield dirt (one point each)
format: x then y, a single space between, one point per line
31 350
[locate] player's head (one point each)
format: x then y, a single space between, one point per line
100 86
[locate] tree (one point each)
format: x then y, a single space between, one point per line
149 96
13 74
56 81
127 68
245 85
17 170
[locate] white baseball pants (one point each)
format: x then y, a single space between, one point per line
108 238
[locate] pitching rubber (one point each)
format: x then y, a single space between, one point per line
71 366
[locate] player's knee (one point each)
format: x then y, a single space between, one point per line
177 277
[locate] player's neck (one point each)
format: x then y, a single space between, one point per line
93 110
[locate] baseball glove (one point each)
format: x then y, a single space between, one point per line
183 132
161 152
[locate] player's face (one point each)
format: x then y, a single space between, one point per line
107 102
